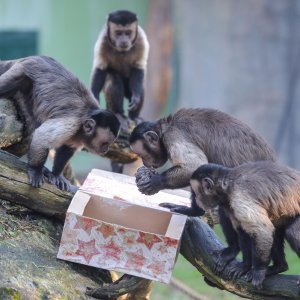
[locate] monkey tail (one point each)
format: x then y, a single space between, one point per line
4 66
292 235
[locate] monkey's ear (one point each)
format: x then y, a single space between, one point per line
89 126
151 137
207 185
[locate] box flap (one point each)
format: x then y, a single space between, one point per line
176 226
123 187
78 203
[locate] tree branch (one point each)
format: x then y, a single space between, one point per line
199 245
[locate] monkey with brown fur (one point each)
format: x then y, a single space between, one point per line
262 197
120 61
64 114
189 139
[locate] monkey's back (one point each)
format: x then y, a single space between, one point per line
55 92
275 187
223 139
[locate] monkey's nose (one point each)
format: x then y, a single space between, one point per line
124 45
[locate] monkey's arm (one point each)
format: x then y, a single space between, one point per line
46 137
61 158
98 80
136 80
193 211
187 157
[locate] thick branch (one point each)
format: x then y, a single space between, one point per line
199 245
48 199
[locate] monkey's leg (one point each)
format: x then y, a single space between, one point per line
261 233
245 246
292 234
114 96
277 254
98 80
12 80
227 254
61 158
136 99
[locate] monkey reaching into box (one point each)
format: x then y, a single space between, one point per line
264 201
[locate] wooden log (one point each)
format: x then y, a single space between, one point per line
48 199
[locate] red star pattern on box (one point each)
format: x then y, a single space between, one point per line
135 260
148 239
87 250
157 267
106 230
170 242
86 224
113 251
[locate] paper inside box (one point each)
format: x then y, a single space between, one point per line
121 236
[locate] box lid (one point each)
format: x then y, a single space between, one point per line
123 187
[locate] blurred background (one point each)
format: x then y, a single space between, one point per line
241 57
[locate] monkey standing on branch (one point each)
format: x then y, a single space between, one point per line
64 114
120 61
189 139
263 197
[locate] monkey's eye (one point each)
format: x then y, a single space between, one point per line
104 145
118 33
128 32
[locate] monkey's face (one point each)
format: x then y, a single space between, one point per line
151 152
122 36
99 142
204 192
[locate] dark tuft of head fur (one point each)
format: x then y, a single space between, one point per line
122 17
211 170
139 130
105 118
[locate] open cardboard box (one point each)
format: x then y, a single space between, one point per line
111 225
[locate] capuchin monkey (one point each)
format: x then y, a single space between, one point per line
63 113
120 61
263 199
189 139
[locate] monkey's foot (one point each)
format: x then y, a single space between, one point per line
258 276
225 256
275 269
35 177
238 270
60 181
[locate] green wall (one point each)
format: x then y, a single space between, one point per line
67 29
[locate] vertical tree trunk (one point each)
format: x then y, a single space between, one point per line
159 32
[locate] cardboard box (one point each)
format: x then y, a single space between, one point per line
111 225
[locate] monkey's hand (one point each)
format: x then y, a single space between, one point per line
148 181
134 103
182 209
58 180
35 177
